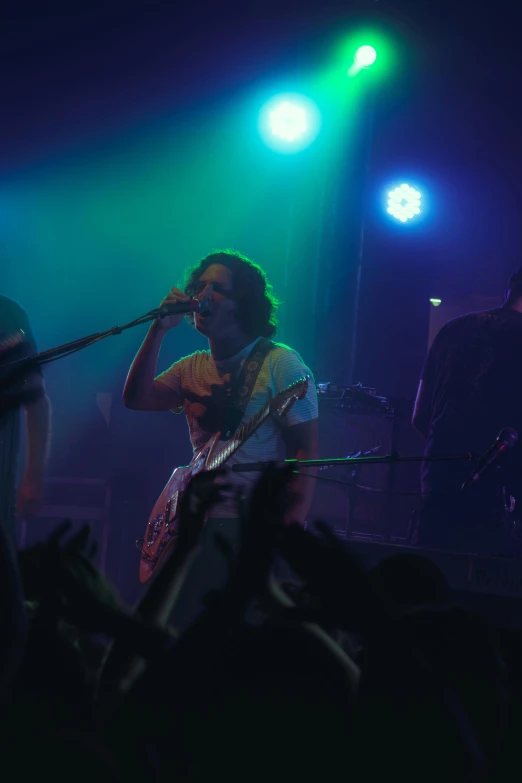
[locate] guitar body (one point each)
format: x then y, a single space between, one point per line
162 528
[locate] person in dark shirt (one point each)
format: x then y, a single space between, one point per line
20 390
471 389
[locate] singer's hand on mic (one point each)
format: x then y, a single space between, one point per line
171 321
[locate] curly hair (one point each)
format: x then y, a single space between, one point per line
256 304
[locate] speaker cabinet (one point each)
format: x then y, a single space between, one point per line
375 501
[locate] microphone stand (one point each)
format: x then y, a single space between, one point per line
372 460
61 351
388 459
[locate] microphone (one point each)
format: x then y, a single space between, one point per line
506 439
179 308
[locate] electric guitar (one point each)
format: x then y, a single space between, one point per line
162 527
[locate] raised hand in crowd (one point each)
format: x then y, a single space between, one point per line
159 598
124 663
261 524
61 571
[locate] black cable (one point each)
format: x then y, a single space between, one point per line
371 489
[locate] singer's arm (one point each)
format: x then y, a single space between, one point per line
141 391
302 442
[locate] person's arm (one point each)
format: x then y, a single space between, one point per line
422 410
123 663
300 428
27 390
142 392
302 442
38 432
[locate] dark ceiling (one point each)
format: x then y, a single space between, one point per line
69 70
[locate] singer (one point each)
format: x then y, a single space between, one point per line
238 324
469 394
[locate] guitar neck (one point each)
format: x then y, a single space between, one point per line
239 438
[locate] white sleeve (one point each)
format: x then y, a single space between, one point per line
287 367
172 376
175 376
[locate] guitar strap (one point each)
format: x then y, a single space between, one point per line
243 387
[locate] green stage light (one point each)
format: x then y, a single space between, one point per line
404 203
367 49
289 123
365 56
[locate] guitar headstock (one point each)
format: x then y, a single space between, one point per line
283 401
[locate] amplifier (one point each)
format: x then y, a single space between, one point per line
383 513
